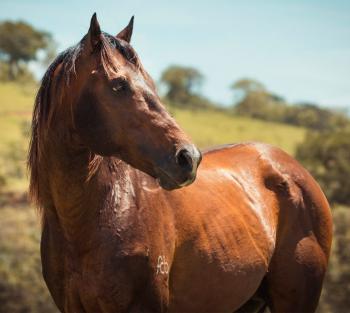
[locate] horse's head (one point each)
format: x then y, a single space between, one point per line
118 112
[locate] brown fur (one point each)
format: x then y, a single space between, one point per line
253 230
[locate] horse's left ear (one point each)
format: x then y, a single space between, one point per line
126 33
94 33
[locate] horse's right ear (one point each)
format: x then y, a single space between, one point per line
94 34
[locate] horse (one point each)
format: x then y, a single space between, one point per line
132 223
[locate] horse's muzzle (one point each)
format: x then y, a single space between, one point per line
183 172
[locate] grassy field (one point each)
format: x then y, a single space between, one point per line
16 104
15 108
208 128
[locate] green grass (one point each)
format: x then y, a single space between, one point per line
16 103
16 98
208 128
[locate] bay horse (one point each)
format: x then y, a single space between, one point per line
131 225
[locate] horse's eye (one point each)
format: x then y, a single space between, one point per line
120 84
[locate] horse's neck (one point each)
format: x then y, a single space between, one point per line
79 197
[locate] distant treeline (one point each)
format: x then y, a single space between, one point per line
252 99
257 102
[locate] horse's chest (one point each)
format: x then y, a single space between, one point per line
108 283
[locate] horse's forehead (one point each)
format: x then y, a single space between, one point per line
140 82
119 58
139 79
125 51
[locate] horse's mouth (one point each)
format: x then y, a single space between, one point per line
167 182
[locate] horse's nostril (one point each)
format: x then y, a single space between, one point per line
184 159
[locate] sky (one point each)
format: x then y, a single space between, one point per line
297 49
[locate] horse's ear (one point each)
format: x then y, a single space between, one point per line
126 33
94 33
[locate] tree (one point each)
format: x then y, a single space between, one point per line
247 85
181 82
252 99
20 43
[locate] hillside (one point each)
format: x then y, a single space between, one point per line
208 128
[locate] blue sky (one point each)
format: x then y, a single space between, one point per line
298 49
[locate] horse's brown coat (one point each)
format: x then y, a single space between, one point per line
254 222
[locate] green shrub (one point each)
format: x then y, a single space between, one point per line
336 291
327 156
